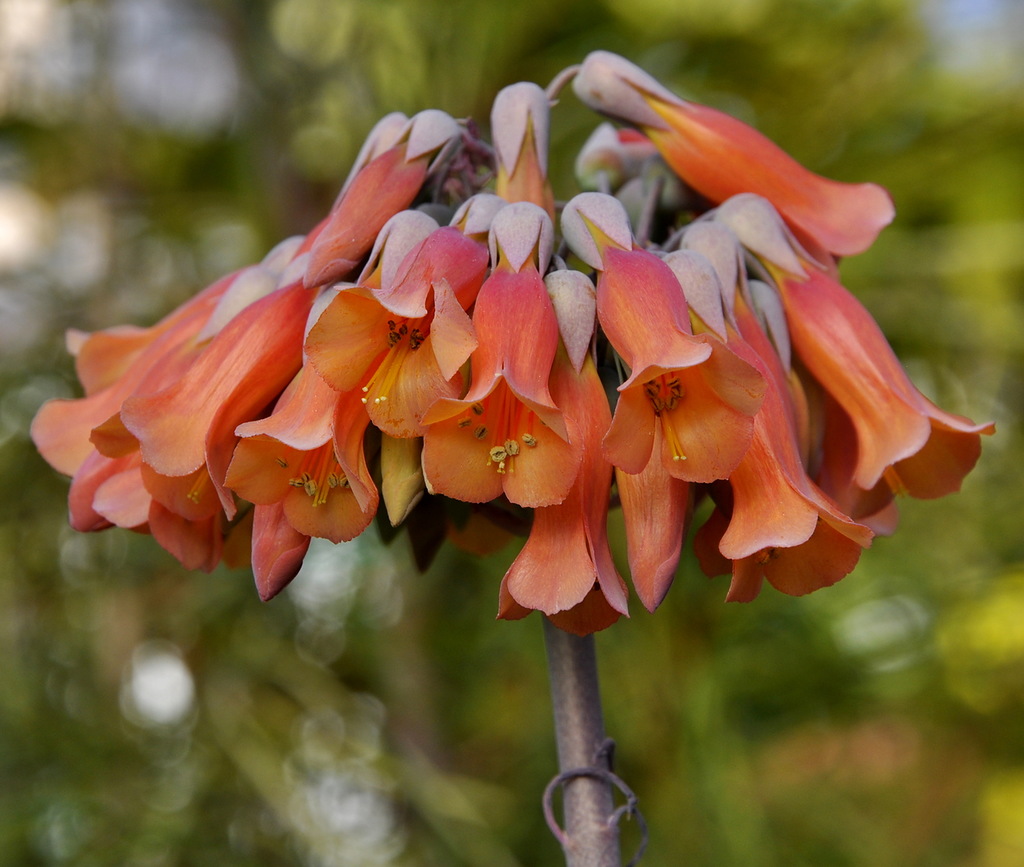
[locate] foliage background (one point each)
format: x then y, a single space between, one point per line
375 716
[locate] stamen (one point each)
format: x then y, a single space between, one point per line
892 478
195 493
320 474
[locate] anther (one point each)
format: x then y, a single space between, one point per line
529 440
480 432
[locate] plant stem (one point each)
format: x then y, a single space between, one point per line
591 836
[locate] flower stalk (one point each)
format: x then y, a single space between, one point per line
589 835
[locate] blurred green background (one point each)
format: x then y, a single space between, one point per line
374 716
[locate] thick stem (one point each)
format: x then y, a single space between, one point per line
591 836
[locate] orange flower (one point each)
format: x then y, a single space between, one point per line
190 424
406 340
697 391
901 436
111 364
308 456
720 156
507 435
566 555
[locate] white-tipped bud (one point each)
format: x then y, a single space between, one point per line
518 108
384 135
717 243
282 254
475 215
606 155
294 271
759 228
701 287
394 241
520 232
428 132
613 86
575 301
250 285
598 211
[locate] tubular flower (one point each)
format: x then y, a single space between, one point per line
776 523
720 156
901 436
308 456
506 436
697 391
566 556
404 341
696 346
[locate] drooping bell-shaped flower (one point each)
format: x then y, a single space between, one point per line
566 557
403 340
720 156
114 484
771 520
699 393
308 455
507 436
901 436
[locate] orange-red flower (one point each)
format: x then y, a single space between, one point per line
405 341
507 436
720 156
901 436
693 388
308 456
566 556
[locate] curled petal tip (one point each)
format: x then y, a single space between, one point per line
519 232
595 211
613 86
518 108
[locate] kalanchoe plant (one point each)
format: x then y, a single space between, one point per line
676 333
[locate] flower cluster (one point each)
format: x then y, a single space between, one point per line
674 335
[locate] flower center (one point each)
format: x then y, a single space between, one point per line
404 336
504 424
666 393
319 473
